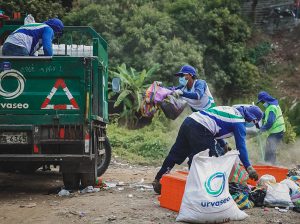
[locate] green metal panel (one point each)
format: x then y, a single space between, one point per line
26 86
35 79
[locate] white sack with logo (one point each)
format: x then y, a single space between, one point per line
206 197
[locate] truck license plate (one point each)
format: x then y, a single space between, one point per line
13 138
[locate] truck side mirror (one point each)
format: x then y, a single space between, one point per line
116 85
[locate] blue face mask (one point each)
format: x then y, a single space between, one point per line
249 124
182 81
266 104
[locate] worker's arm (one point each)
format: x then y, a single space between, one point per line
173 87
47 38
270 122
240 141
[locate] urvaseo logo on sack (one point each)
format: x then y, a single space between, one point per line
20 84
214 186
218 180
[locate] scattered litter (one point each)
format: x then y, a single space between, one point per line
130 195
143 187
121 183
109 185
266 209
54 203
283 210
82 214
79 213
29 205
90 189
276 208
64 192
120 188
112 218
141 181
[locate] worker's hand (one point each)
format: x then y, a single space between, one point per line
227 148
159 83
156 186
177 93
252 173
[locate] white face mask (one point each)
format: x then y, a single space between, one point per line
266 104
182 81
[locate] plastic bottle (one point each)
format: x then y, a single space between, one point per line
29 19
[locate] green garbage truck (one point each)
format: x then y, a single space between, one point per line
54 110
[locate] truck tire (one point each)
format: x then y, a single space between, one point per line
103 160
71 181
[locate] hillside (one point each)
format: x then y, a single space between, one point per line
286 54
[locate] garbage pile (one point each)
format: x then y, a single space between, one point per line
157 97
283 195
217 190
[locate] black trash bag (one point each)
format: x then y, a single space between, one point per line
172 106
257 195
236 188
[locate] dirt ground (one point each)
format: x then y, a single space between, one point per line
26 199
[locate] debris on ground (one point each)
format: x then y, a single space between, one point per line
29 205
64 192
89 189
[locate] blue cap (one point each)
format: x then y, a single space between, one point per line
187 69
56 25
263 96
250 113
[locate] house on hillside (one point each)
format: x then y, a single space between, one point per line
270 14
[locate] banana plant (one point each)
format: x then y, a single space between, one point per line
132 88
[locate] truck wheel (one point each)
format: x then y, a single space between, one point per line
103 159
71 181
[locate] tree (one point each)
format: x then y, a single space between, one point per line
40 9
209 34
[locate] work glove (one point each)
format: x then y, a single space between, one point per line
252 173
227 148
156 186
177 93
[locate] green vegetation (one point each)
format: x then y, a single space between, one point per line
132 88
148 145
211 35
40 9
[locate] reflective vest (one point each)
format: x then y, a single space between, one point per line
278 125
206 101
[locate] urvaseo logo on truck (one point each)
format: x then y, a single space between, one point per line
214 186
20 84
15 91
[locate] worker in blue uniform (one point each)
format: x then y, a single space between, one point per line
273 125
29 38
199 131
194 91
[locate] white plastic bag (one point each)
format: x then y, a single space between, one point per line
292 186
265 179
29 19
278 195
206 197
